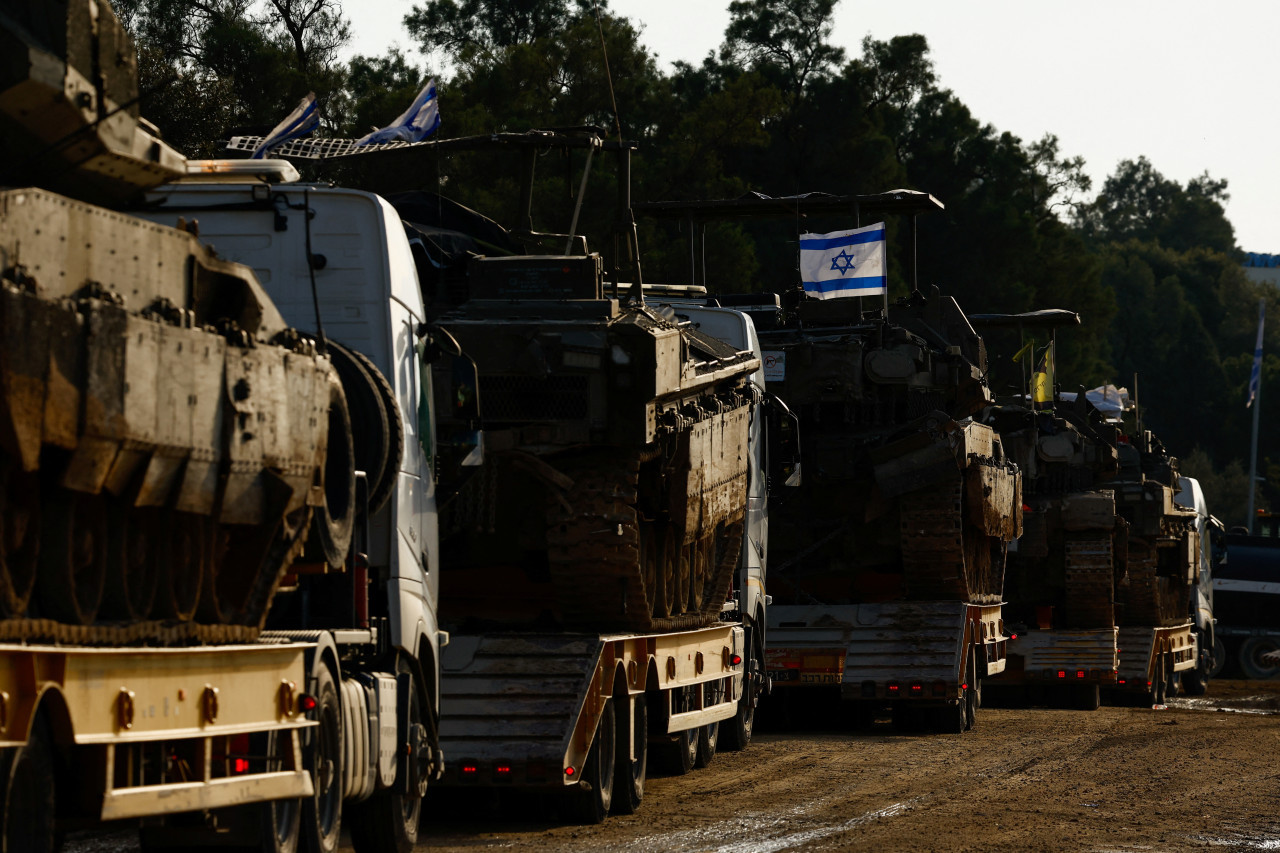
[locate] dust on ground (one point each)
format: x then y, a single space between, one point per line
1201 773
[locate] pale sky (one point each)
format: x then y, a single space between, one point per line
1186 84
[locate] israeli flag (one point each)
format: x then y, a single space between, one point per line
303 120
1255 378
414 124
844 263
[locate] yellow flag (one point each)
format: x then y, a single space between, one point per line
1026 350
1042 381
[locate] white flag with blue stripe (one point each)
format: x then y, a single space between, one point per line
303 120
844 263
414 124
1255 378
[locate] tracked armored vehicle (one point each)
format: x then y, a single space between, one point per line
1107 558
887 563
613 487
912 497
167 439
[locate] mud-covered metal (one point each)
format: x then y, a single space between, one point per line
614 482
906 493
69 104
165 439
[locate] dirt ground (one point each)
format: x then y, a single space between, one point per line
1198 774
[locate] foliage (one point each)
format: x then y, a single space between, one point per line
1150 263
208 66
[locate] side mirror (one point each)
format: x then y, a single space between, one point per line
436 342
782 443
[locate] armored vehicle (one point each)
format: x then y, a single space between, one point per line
887 563
1105 548
613 486
167 439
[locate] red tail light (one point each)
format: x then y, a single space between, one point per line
568 771
306 702
502 769
734 660
1062 673
470 770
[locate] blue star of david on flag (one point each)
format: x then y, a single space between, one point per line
844 263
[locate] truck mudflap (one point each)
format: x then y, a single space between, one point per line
226 719
1043 657
520 710
884 651
1142 649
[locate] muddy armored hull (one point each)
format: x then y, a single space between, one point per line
167 442
614 484
907 496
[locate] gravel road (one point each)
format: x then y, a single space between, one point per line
1199 774
1189 776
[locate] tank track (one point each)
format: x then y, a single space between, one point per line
944 556
1152 599
595 558
1089 581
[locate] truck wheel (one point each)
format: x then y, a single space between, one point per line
388 821
590 800
709 735
1196 681
708 739
737 729
1088 697
1251 662
632 761
280 819
951 719
28 795
1157 694
972 692
375 422
1218 657
333 522
678 757
322 813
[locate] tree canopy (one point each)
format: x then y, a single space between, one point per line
1150 263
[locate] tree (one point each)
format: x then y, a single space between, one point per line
206 66
1137 202
473 31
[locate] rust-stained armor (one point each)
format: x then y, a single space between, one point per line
165 439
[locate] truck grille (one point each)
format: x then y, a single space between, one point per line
513 398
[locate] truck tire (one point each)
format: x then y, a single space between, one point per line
736 732
1218 657
388 821
333 522
1250 658
679 756
375 422
708 740
632 761
1088 697
590 800
280 820
322 812
28 803
1196 681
